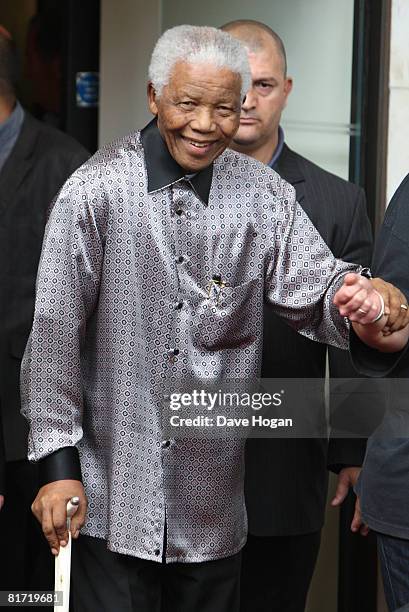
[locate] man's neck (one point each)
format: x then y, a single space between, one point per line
6 108
263 153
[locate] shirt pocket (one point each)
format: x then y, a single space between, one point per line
229 318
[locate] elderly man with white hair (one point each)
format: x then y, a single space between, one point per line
157 257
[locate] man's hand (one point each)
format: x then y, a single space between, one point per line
357 299
1 501
50 509
347 478
357 523
395 301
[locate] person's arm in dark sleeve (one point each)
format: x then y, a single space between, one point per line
391 263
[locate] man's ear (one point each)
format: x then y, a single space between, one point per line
288 85
153 107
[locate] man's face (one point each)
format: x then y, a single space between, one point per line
198 113
264 103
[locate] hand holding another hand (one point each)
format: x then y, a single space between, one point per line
359 301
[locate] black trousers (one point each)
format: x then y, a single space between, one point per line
27 562
276 572
103 581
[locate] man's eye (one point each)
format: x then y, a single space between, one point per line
187 104
225 109
264 85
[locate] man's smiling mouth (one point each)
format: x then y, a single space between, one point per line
199 144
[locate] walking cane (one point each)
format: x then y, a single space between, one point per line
63 562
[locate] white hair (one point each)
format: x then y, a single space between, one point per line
198 45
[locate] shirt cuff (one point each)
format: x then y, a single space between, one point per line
63 464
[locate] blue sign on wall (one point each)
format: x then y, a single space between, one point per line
87 89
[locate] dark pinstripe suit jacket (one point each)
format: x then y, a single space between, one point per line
286 480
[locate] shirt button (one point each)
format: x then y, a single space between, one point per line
179 211
179 306
173 353
180 259
157 552
166 444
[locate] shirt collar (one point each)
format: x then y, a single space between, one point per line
163 170
10 128
278 148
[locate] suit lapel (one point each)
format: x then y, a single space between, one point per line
18 163
289 168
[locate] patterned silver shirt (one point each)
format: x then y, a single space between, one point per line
123 310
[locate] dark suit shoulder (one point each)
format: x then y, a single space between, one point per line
51 140
336 207
311 171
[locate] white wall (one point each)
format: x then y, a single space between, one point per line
129 29
398 136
